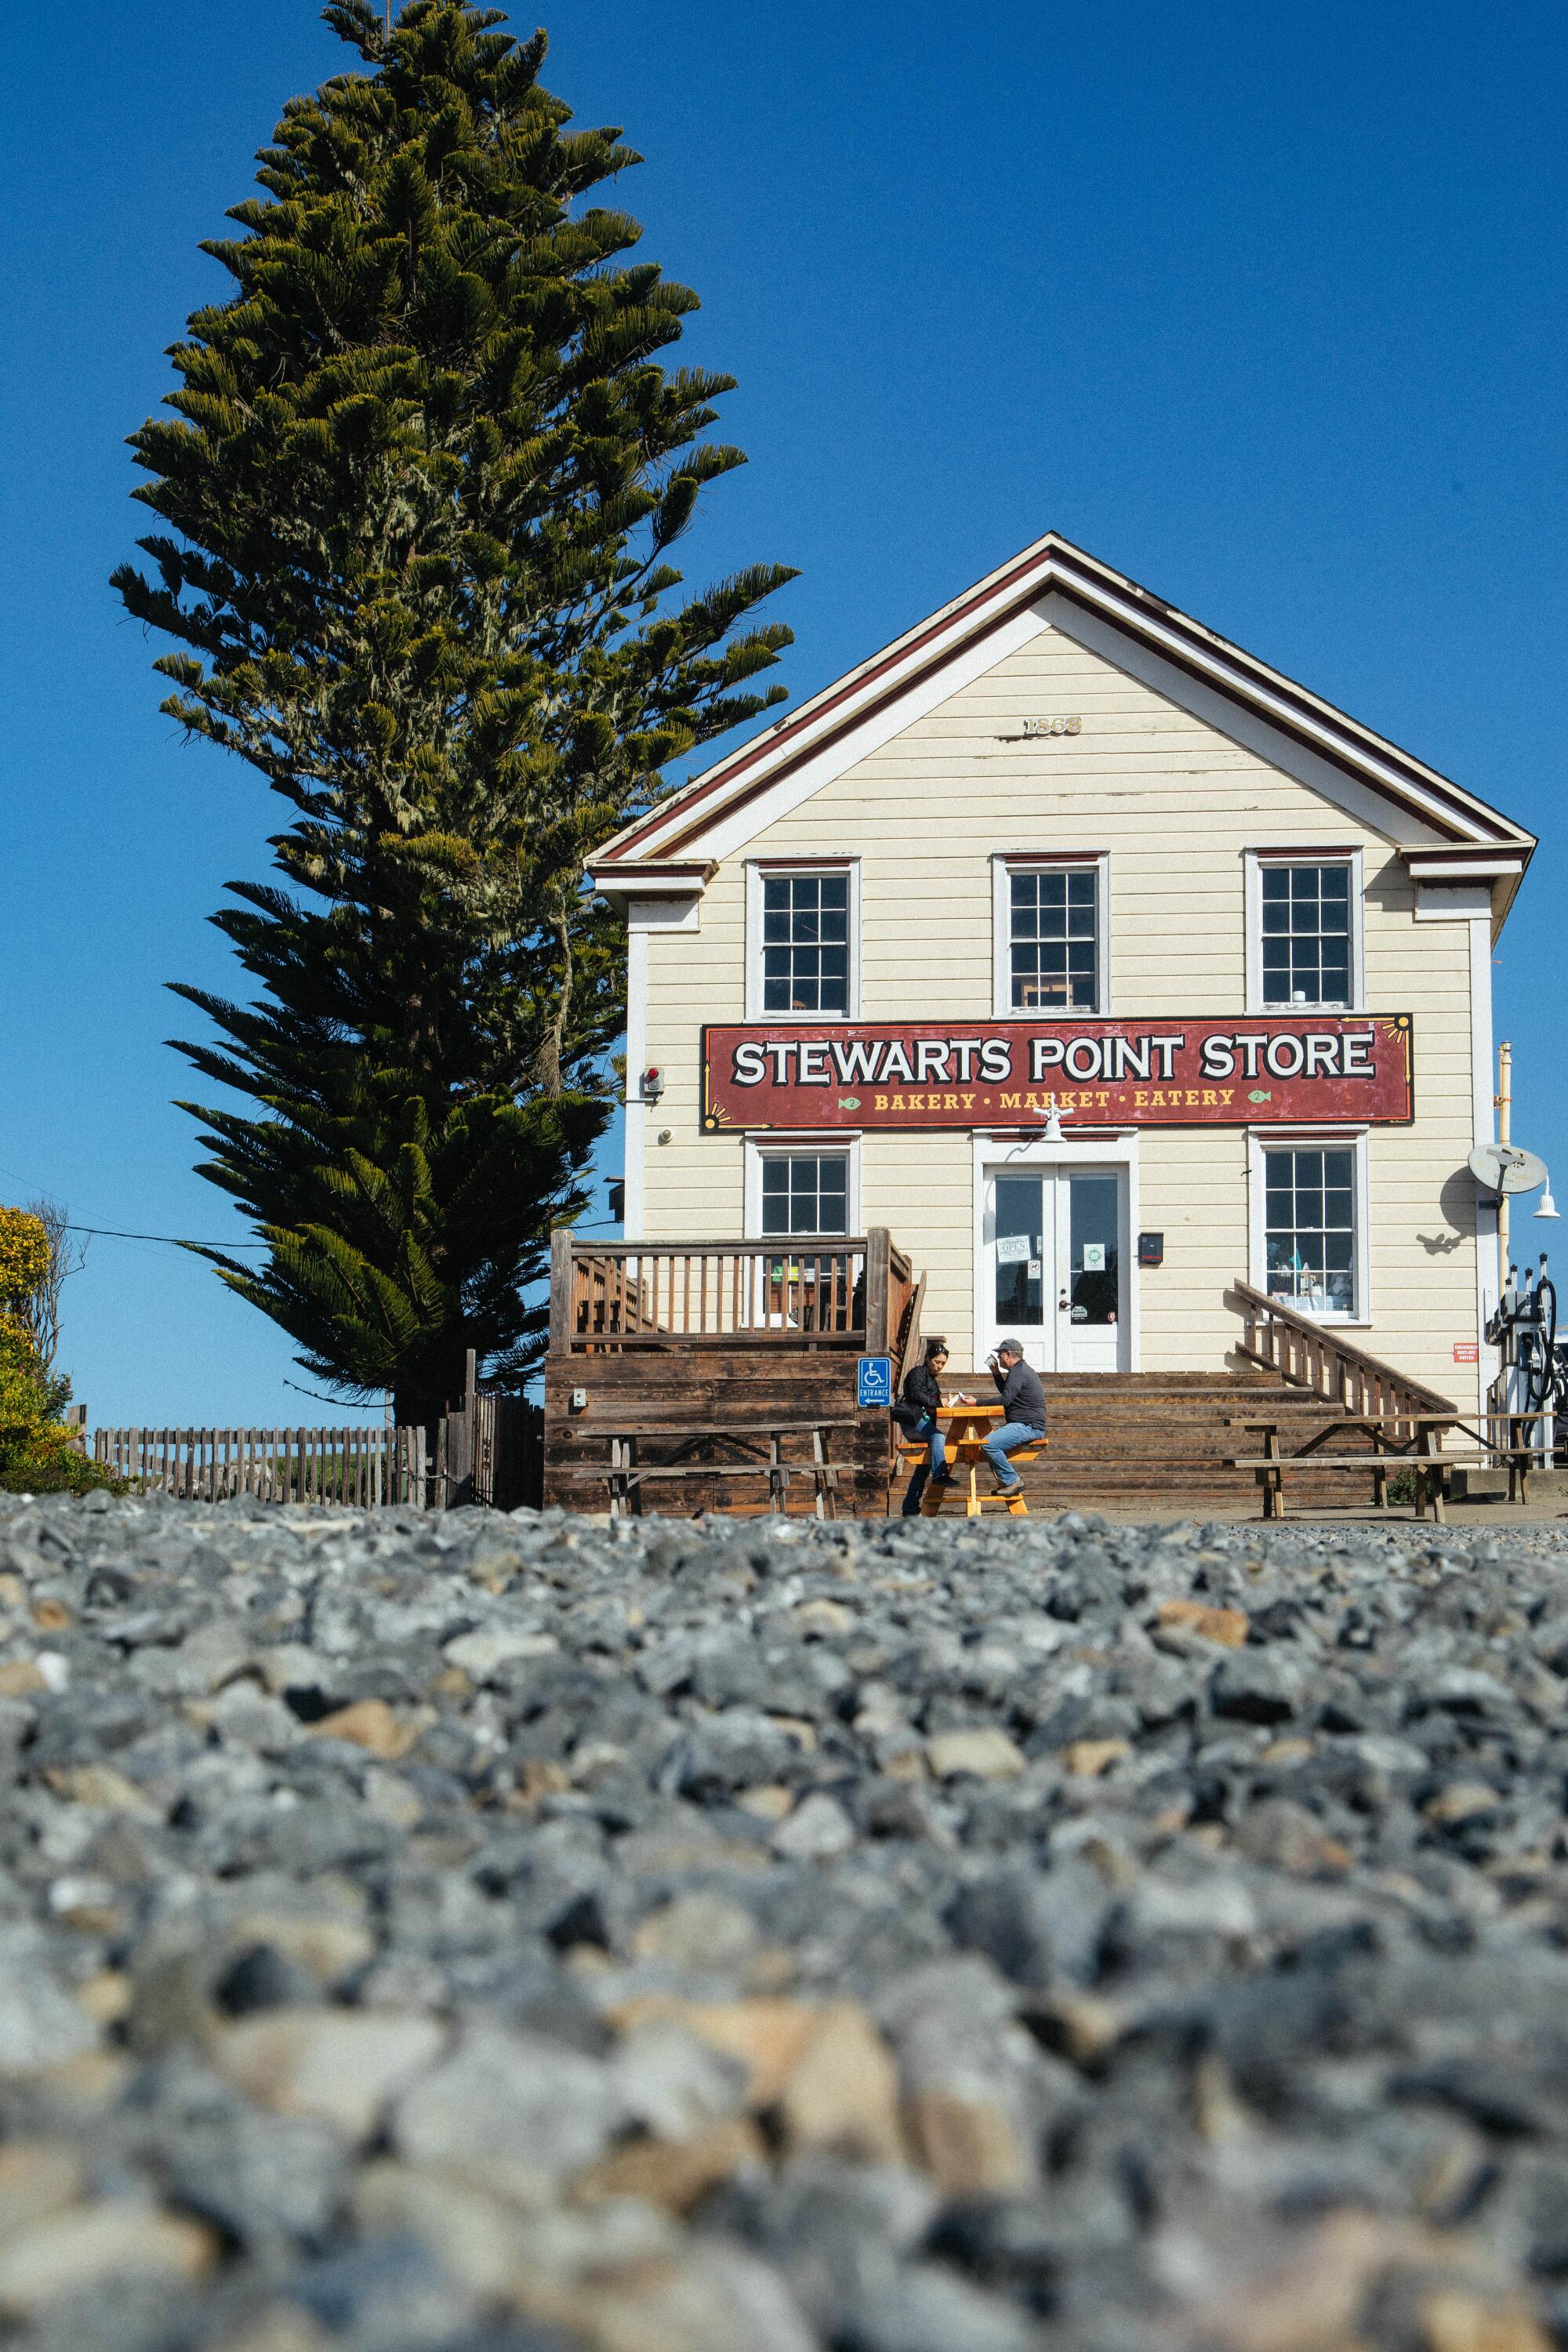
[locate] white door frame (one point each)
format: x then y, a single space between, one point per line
1085 1151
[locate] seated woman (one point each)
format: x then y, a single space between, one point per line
916 1415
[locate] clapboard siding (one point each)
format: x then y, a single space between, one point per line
1175 804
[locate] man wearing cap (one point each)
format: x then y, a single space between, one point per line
1024 1412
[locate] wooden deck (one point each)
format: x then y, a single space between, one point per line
680 1341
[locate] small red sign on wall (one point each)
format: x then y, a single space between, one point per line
1466 1351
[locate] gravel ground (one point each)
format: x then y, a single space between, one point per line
509 1935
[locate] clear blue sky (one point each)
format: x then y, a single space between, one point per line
1264 306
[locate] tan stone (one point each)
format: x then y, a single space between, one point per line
822 1617
279 2327
1455 2320
1217 2111
1090 2026
1287 1751
1461 1801
476 2234
20 1678
985 1752
715 2298
1085 1760
52 1616
370 1723
539 1778
674 2173
339 2065
1227 1627
842 2094
769 1801
99 1784
90 2244
968 2146
772 1969
1311 2302
697 1930
13 1591
452 1682
769 2036
37 2179
106 1997
325 1945
94 2079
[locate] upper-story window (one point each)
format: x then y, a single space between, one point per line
1306 932
803 920
1050 936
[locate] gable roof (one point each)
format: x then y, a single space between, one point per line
669 849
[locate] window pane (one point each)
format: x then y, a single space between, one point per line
1310 1237
1053 942
1018 1253
1306 927
806 943
806 1193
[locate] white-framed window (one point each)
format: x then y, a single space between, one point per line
799 1188
803 925
1051 934
1309 1222
1304 928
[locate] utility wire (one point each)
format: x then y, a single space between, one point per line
339 1402
174 1241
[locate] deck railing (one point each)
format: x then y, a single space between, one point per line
808 1290
1311 1355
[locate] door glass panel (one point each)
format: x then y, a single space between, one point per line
1095 1275
1018 1246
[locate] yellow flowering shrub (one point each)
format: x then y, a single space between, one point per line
24 1254
36 1455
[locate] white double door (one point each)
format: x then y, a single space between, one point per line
1053 1272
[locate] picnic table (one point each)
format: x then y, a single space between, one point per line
966 1428
627 1469
1396 1441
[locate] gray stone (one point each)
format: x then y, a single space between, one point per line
511 2111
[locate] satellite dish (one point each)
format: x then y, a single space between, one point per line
1504 1168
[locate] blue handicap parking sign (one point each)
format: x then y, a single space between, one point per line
873 1384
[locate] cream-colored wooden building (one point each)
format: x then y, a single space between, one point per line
1102 964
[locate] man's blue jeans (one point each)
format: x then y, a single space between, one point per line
925 1431
1008 1440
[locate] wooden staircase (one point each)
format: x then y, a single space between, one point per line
1159 1442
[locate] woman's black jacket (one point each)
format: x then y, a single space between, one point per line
921 1395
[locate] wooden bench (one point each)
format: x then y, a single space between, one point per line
626 1472
1398 1442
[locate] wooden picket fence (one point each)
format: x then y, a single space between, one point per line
367 1465
490 1452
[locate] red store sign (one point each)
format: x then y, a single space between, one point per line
1304 1070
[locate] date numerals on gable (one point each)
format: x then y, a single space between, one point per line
1036 729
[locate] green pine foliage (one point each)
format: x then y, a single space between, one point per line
419 486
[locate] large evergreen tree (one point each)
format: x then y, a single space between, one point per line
423 469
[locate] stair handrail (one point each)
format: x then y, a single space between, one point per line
1311 1355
